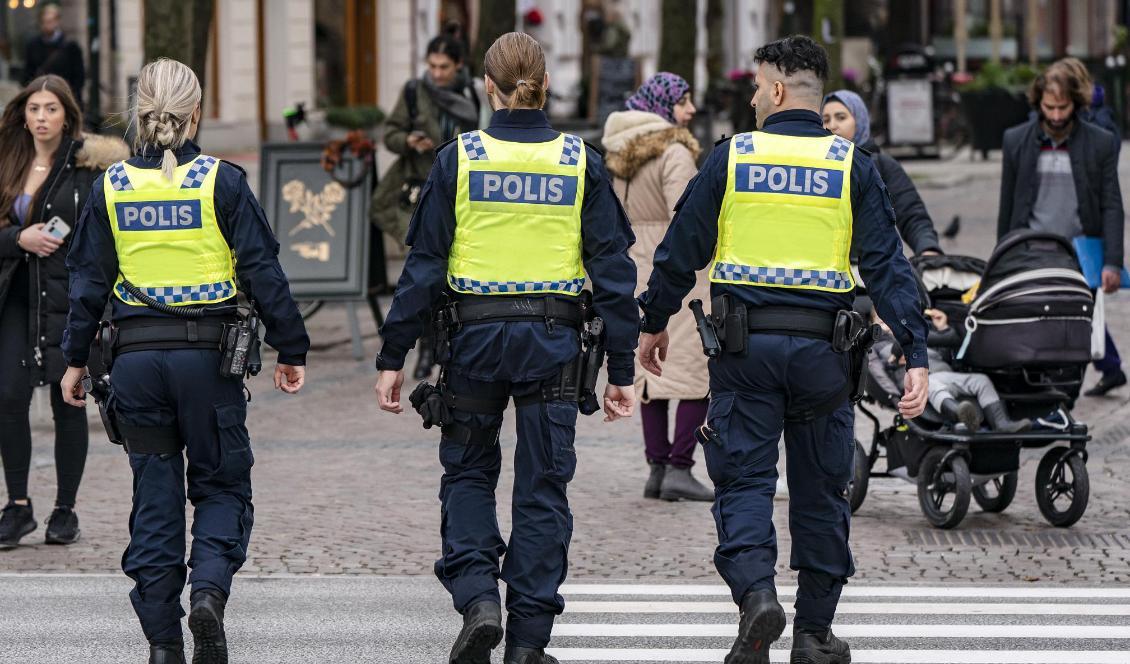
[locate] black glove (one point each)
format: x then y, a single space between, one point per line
428 402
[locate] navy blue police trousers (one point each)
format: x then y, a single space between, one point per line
535 561
753 399
184 387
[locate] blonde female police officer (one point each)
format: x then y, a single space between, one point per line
510 220
180 226
778 209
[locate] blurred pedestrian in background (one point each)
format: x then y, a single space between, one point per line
1060 175
651 156
51 52
45 177
431 110
1096 111
846 115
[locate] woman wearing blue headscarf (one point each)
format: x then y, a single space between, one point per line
846 115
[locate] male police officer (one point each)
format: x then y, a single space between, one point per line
777 209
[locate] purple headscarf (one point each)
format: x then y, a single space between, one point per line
659 94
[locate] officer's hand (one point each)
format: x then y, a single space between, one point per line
913 400
1112 279
619 402
71 386
388 390
653 351
289 378
34 241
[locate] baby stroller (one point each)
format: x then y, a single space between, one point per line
1029 330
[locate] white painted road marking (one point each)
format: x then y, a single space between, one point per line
730 630
857 656
857 590
896 608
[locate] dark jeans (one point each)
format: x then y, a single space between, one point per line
689 415
71 434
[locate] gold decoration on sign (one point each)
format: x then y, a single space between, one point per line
312 251
318 208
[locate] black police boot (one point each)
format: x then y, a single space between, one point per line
654 480
679 484
761 622
166 653
818 648
1000 421
15 522
62 527
519 655
425 360
206 622
1107 383
481 633
965 412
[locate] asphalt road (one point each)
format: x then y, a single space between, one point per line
87 618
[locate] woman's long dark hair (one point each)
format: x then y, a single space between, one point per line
16 143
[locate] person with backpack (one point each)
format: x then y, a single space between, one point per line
431 110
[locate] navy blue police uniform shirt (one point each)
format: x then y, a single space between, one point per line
93 265
516 351
690 244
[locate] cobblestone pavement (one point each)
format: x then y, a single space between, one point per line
341 488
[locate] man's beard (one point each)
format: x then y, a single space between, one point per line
1057 126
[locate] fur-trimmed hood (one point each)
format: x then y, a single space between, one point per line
633 138
99 152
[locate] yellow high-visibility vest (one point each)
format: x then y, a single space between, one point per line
168 241
786 216
518 216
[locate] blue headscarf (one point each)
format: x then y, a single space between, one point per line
858 109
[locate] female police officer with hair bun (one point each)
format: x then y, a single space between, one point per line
510 220
166 234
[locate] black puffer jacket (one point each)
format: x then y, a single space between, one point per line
913 221
63 194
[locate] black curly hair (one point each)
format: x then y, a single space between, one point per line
793 54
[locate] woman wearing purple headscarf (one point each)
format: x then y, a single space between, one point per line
651 156
846 115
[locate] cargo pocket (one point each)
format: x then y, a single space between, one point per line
562 425
719 465
235 443
835 453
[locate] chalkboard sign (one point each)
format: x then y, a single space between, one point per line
322 226
613 81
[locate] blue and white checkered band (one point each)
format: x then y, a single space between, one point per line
839 149
473 145
198 172
571 152
118 178
743 143
516 287
184 294
781 276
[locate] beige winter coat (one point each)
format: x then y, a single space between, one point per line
651 162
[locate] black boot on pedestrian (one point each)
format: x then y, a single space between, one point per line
519 655
206 622
761 622
62 526
655 479
679 484
15 522
1000 422
166 653
1107 383
818 648
481 633
425 360
965 412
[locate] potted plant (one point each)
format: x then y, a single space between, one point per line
994 100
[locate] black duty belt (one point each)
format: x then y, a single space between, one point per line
792 321
492 309
167 334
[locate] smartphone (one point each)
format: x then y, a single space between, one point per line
57 228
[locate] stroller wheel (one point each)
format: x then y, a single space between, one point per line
860 477
996 494
944 486
1062 487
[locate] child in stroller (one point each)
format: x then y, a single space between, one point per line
949 391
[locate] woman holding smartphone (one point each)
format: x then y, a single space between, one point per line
45 177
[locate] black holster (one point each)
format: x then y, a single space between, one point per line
161 439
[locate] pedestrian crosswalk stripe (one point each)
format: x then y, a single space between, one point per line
857 656
730 630
898 608
856 590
